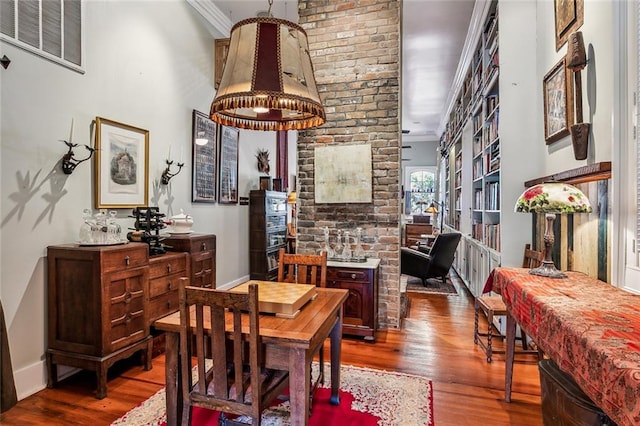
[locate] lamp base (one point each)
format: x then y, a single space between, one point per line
547 269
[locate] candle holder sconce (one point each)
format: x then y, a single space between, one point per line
69 162
167 175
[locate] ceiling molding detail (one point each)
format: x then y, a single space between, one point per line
480 11
220 25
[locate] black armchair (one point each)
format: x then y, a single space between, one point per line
434 264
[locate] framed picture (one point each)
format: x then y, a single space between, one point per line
277 184
228 186
205 153
569 16
558 102
265 183
122 165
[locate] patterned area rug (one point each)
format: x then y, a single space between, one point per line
434 285
367 397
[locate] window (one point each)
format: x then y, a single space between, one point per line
419 189
49 28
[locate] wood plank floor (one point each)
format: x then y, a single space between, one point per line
436 341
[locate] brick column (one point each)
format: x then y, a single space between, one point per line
355 49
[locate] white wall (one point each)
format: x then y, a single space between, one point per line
148 64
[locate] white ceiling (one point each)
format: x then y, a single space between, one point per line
433 36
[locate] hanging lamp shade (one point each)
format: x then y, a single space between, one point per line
267 82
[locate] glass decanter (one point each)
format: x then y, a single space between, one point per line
337 250
113 229
358 251
346 252
327 246
86 226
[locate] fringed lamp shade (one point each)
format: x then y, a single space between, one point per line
550 199
268 82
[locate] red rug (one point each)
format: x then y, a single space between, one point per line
367 397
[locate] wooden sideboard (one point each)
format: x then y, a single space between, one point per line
202 254
361 308
102 300
97 308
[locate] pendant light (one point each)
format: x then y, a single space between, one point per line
267 82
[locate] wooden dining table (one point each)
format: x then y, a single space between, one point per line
290 344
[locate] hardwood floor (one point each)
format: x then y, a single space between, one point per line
436 341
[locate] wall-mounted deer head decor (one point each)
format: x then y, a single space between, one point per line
263 161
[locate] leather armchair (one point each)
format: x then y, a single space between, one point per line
434 264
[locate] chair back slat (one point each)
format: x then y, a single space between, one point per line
230 362
303 268
532 258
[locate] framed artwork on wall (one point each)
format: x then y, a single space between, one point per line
205 153
558 102
569 16
228 181
122 165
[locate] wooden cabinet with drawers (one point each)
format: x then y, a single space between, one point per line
97 307
165 272
413 232
361 307
202 254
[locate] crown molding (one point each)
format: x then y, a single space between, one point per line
219 24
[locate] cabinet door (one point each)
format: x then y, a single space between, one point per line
202 269
125 313
356 307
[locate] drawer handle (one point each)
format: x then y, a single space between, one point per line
127 297
169 304
126 260
169 285
169 268
127 318
204 246
353 276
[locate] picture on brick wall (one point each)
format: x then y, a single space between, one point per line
343 174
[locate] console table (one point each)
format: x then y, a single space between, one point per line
360 316
588 327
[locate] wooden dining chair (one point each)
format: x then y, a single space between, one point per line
302 268
305 269
229 382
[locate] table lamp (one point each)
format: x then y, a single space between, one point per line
551 199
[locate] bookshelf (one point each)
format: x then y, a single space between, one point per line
491 128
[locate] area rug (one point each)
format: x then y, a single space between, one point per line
434 285
367 397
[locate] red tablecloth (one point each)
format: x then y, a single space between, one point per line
588 327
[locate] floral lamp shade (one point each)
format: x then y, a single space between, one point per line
551 198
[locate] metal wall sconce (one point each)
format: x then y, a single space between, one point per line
69 163
167 175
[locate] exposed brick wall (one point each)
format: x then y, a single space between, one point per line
355 49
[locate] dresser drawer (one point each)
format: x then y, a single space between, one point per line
165 304
166 284
133 256
168 263
346 274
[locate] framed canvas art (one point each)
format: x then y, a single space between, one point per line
569 16
122 165
558 102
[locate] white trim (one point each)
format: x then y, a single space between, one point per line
220 23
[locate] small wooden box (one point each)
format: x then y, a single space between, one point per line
282 299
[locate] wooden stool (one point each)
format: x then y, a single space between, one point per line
490 306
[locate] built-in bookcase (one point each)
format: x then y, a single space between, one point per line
489 133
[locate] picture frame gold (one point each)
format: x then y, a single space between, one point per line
121 165
205 156
558 102
569 16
